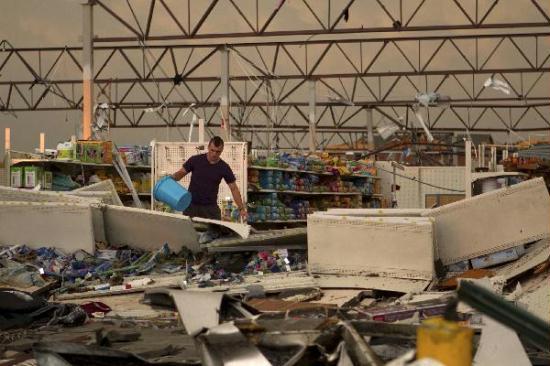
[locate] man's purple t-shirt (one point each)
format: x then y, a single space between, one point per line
206 178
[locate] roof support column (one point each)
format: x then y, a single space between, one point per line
87 68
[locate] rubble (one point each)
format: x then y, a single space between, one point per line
148 293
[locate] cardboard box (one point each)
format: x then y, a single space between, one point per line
16 176
47 181
33 176
97 152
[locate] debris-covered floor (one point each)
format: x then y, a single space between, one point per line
357 287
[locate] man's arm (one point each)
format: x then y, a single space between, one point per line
238 199
179 174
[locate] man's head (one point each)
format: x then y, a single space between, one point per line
215 149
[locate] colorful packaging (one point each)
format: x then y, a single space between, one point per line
33 176
47 180
16 176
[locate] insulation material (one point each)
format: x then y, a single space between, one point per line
65 226
399 247
463 229
168 157
148 230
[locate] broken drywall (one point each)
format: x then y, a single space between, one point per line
243 230
492 221
536 254
399 247
104 185
403 285
65 226
148 230
499 345
537 298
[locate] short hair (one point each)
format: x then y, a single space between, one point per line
217 141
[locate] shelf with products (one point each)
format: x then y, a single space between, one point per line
312 172
306 184
63 175
304 192
16 162
268 207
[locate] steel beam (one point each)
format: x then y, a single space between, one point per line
88 69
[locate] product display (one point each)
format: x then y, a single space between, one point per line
77 164
286 188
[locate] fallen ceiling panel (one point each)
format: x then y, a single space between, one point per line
491 222
148 230
65 226
399 247
198 310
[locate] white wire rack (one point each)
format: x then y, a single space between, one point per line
168 157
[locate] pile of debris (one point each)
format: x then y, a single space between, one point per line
377 286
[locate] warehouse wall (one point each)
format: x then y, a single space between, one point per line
413 194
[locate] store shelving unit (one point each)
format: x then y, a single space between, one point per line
307 195
77 164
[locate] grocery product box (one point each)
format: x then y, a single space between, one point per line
91 151
33 176
47 181
16 176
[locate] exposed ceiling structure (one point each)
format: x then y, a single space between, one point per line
489 64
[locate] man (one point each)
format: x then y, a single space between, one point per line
207 171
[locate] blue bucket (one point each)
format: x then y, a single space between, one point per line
168 191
